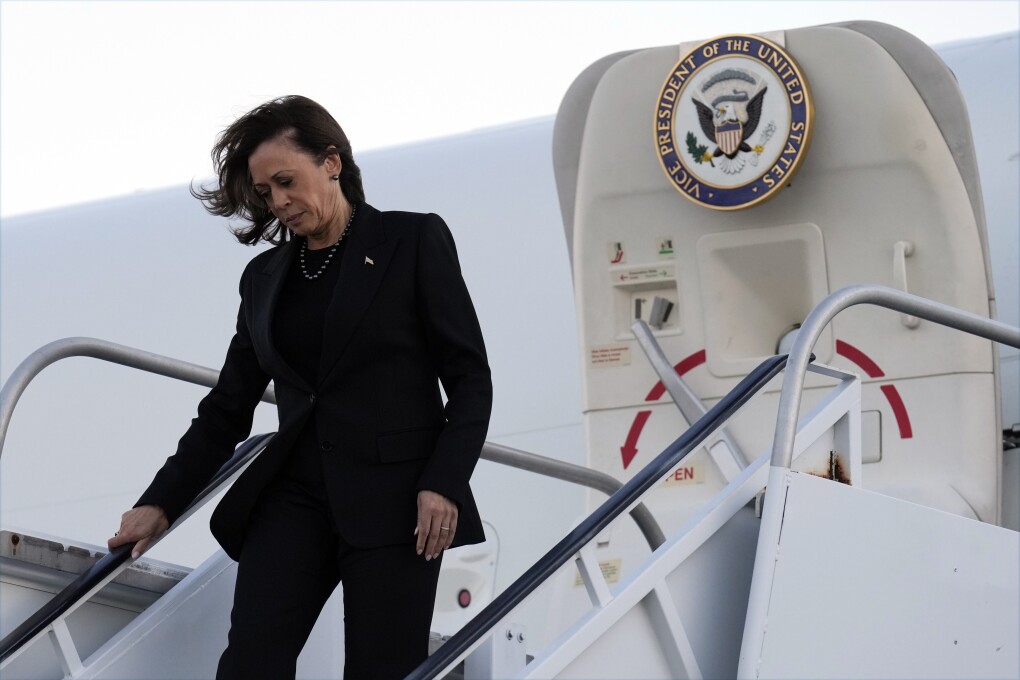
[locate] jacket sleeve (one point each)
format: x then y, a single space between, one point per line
224 418
455 343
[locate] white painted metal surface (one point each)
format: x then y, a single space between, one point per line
502 655
869 586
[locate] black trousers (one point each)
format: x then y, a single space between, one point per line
291 562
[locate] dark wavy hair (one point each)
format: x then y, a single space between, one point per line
309 126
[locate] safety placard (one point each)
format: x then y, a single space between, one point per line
644 274
610 355
610 572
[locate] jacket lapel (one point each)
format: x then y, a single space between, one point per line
363 265
266 287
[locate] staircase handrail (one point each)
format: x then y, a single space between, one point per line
178 369
114 561
882 296
103 350
483 623
575 474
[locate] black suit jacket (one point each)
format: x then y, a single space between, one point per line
400 321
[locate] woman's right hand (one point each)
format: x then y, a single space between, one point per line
141 526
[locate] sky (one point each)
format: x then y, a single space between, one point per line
101 99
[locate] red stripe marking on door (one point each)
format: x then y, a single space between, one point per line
892 395
899 410
860 358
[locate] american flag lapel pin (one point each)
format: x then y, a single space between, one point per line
369 260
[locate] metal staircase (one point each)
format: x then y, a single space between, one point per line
718 599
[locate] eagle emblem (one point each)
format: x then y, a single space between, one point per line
731 114
733 121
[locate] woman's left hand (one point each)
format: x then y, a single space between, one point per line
437 523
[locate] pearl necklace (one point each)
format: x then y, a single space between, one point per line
332 251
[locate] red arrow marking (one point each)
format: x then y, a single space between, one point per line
687 364
629 450
872 370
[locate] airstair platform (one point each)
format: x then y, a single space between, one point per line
863 585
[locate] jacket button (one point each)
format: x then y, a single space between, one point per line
327 446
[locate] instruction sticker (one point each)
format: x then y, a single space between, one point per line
610 572
644 274
610 355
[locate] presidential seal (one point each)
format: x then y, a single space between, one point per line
733 122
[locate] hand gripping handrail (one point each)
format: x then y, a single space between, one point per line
113 562
105 351
822 314
475 629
